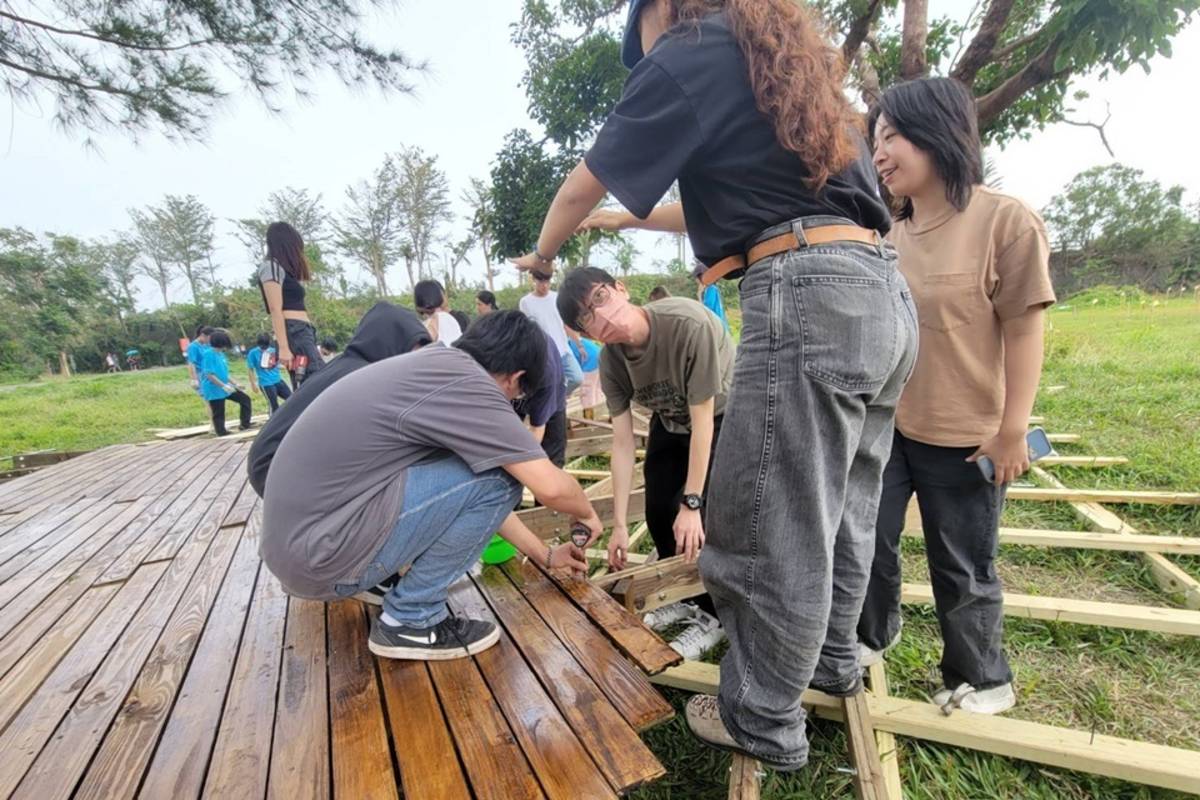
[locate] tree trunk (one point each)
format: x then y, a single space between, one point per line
912 42
412 281
63 365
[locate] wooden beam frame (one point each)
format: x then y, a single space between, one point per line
1065 495
1123 759
1092 540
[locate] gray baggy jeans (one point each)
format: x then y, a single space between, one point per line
829 337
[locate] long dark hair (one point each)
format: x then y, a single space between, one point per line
938 116
428 296
286 248
796 74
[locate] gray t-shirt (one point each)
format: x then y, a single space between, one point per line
688 359
336 484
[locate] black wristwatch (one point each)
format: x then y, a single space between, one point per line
693 502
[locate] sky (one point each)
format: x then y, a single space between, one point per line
463 107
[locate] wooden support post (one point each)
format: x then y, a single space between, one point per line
864 756
889 753
744 775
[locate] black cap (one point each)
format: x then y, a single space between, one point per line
631 46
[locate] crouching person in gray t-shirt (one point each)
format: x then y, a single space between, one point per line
416 461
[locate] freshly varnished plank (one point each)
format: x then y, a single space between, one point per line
362 764
300 746
215 511
558 756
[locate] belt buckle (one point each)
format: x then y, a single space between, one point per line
798 231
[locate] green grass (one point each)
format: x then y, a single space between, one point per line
90 411
1133 389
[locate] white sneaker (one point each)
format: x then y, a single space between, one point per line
660 618
705 632
996 700
869 658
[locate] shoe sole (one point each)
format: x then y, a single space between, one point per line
428 654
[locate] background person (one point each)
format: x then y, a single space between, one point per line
485 303
262 361
430 299
281 279
540 304
216 386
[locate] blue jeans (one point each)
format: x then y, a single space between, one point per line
829 338
448 516
572 372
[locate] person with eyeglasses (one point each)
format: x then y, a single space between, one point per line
673 357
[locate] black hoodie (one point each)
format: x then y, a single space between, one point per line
384 331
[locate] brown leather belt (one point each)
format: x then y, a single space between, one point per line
823 234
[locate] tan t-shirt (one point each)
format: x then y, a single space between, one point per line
969 271
688 359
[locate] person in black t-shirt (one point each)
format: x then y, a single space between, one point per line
741 101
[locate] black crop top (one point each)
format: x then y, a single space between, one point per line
293 290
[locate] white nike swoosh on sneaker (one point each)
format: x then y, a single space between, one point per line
431 638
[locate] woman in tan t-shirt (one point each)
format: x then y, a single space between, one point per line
978 265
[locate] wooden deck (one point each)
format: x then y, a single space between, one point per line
145 651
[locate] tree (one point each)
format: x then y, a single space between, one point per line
120 259
456 255
304 212
151 241
525 176
423 200
624 253
369 231
142 66
186 227
1110 222
478 196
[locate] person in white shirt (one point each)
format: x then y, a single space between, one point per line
542 306
430 299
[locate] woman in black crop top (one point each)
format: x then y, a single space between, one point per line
281 280
741 101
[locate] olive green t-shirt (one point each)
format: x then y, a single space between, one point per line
687 360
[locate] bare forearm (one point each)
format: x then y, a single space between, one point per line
578 195
699 447
667 218
1023 354
516 533
622 479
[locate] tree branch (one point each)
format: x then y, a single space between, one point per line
60 78
1099 128
859 30
1036 72
105 39
913 39
1016 44
979 52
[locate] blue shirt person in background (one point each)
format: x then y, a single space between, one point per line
195 355
711 297
587 353
215 385
266 378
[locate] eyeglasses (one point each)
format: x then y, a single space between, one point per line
600 297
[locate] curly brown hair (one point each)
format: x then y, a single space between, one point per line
796 75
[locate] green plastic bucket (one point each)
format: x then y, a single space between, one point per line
498 551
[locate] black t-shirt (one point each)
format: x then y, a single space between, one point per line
688 113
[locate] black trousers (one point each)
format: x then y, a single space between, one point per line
302 340
666 468
960 515
218 411
554 439
276 392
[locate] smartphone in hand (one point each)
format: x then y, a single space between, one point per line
1039 447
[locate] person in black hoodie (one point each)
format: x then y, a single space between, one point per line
384 331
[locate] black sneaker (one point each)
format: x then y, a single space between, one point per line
453 637
375 594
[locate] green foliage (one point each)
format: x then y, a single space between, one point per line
571 96
143 65
525 177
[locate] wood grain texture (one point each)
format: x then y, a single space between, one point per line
300 745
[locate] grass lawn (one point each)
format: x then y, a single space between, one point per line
1133 389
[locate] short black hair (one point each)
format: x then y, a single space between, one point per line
541 275
488 299
263 340
203 330
330 344
428 295
220 340
938 116
658 293
574 290
506 342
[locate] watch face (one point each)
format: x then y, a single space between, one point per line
693 501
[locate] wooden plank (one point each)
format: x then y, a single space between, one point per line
241 755
1093 540
1083 612
868 780
1169 576
621 681
242 508
169 544
626 631
1102 496
588 446
178 767
300 763
56 482
38 534
40 711
1064 438
547 523
45 458
1123 759
362 763
429 767
63 760
889 751
638 433
561 756
1083 462
490 754
744 776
